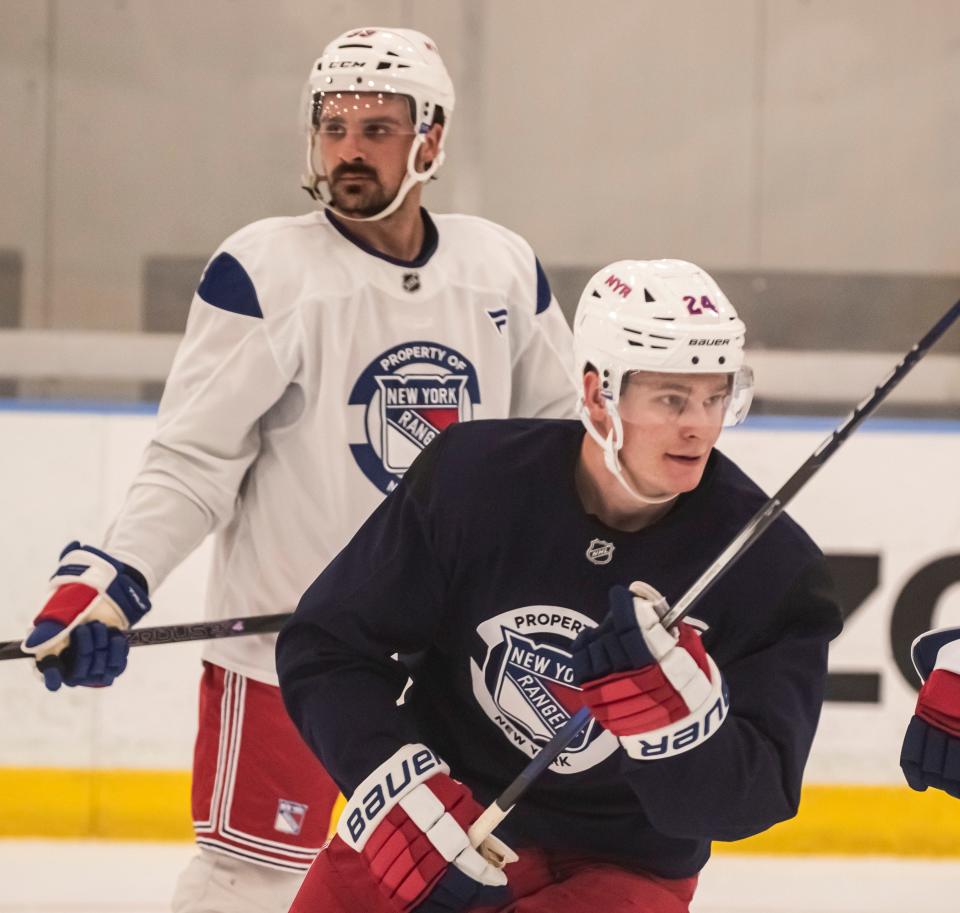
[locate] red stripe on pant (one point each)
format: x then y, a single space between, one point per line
258 791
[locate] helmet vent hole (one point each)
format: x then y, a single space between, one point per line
635 342
647 296
403 66
722 360
596 294
665 318
695 360
384 65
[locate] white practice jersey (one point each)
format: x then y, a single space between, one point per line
312 372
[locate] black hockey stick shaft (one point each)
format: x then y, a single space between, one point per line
754 528
178 634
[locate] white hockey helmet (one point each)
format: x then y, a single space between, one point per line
656 315
382 60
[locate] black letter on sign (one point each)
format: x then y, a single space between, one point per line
856 577
916 604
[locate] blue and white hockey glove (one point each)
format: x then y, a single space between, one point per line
409 821
656 689
931 747
77 638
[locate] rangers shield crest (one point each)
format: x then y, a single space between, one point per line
408 395
525 685
414 409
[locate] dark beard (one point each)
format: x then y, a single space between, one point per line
368 201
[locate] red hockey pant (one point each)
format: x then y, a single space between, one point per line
339 882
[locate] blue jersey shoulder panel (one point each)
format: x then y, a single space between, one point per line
226 285
543 288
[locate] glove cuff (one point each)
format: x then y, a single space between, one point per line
687 733
373 799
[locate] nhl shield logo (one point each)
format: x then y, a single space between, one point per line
599 551
411 282
408 395
525 685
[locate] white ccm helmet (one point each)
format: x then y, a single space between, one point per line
656 315
383 60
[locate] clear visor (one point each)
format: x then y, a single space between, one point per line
375 116
708 400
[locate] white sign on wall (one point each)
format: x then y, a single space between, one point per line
885 510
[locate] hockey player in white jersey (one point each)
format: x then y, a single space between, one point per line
322 354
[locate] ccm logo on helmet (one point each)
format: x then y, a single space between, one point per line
344 65
619 286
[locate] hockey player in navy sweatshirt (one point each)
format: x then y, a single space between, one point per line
513 575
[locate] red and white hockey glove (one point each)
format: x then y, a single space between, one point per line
931 746
409 820
657 690
77 636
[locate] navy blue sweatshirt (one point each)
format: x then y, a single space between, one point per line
481 568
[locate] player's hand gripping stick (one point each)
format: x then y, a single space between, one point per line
408 821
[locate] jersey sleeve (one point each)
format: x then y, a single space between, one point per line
381 596
543 381
747 776
231 366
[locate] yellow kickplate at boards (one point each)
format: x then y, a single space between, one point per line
863 821
116 804
155 805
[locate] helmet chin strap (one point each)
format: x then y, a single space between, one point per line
611 445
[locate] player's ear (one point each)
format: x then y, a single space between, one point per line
430 148
592 396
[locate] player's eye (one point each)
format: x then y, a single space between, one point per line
332 129
378 131
673 402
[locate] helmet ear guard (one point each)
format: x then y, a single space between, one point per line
381 61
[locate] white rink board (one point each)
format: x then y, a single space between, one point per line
894 493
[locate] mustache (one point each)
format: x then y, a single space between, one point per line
355 170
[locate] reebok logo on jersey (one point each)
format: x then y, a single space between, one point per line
525 685
408 395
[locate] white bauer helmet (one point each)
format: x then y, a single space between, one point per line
656 315
382 60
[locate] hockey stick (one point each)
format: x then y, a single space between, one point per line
178 634
502 805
